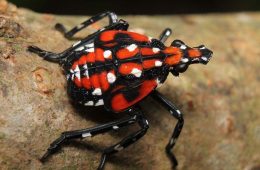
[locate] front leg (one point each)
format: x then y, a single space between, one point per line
177 130
69 34
165 35
79 46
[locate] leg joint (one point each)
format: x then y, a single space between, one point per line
177 114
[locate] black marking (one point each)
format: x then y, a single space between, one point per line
131 94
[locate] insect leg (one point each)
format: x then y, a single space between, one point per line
165 35
69 34
132 138
60 57
89 132
177 130
50 56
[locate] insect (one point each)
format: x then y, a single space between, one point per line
116 69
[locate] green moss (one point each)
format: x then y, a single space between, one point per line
2 136
17 48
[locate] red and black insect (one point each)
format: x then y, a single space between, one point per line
117 69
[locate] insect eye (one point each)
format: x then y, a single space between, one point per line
182 68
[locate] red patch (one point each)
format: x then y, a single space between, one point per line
82 60
75 64
175 55
147 51
77 81
147 64
127 68
107 35
103 81
99 55
94 80
193 53
90 57
119 102
125 53
86 83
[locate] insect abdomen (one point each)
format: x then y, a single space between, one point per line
91 76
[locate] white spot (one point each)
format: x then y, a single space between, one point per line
195 59
172 141
168 33
107 53
131 121
178 111
80 48
113 17
86 74
136 72
86 135
80 26
100 102
159 84
185 60
183 47
76 43
150 38
85 66
89 103
77 74
76 69
203 47
68 76
204 58
155 50
147 122
118 147
171 112
91 45
72 77
111 78
115 127
90 50
131 47
97 91
158 63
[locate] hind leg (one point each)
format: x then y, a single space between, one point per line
136 115
177 130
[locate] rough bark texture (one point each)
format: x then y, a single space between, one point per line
220 101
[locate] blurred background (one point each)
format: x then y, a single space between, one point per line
83 7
